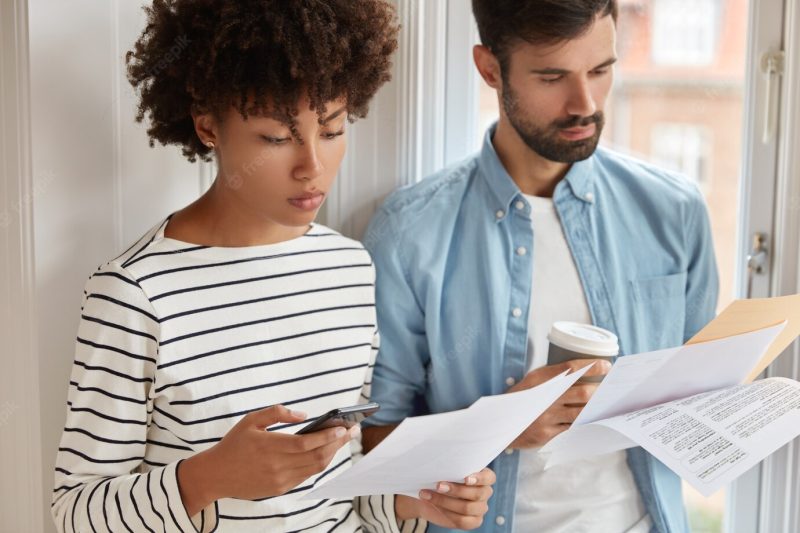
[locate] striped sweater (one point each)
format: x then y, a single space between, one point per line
177 342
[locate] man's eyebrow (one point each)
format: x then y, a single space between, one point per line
561 71
334 115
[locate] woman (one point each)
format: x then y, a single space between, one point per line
238 314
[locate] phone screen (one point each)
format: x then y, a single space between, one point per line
345 416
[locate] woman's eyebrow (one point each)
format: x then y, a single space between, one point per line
334 115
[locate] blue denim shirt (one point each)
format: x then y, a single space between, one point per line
453 296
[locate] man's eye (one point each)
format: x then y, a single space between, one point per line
276 140
551 80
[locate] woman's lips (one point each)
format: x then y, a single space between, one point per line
578 134
308 202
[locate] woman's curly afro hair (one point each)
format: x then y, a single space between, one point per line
258 56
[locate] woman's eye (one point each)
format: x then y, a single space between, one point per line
332 135
276 140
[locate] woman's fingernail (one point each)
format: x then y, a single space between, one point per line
340 432
471 480
443 487
355 431
299 414
425 495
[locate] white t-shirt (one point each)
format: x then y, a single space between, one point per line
597 494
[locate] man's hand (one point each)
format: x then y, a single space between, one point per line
563 412
452 505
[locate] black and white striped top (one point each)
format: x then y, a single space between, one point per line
177 342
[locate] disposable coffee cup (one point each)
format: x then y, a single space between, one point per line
571 340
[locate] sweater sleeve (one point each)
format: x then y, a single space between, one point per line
102 480
377 511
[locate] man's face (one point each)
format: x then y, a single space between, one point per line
554 95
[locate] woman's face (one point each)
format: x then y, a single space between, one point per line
273 176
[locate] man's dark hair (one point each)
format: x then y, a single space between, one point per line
504 23
257 56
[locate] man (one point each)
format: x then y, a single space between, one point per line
476 262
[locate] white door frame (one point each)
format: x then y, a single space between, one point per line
20 447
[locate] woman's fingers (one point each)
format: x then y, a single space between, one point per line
464 492
446 502
468 498
484 477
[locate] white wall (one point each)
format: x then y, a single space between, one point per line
97 183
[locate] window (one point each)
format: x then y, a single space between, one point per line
683 148
684 32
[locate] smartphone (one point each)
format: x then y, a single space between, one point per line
343 416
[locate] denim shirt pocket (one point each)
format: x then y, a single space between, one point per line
661 309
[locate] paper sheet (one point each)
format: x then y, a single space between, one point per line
424 450
710 439
688 408
643 380
743 316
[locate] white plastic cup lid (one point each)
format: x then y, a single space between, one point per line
583 338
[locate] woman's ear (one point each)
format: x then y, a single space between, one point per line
488 66
207 128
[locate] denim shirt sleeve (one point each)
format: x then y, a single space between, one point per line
702 280
400 372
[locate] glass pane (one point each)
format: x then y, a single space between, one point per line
678 102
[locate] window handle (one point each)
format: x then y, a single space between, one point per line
756 260
772 68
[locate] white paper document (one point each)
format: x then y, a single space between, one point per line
689 409
424 450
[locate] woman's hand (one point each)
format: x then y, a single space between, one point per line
452 505
250 463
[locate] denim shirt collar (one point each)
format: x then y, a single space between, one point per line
579 179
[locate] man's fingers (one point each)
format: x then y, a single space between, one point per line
600 367
567 415
545 373
538 376
578 394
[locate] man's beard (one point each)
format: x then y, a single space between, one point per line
546 141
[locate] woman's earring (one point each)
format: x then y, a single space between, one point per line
210 144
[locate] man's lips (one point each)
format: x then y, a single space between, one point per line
577 134
308 201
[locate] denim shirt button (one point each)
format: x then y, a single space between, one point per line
500 520
516 312
500 214
510 381
520 205
522 250
509 451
